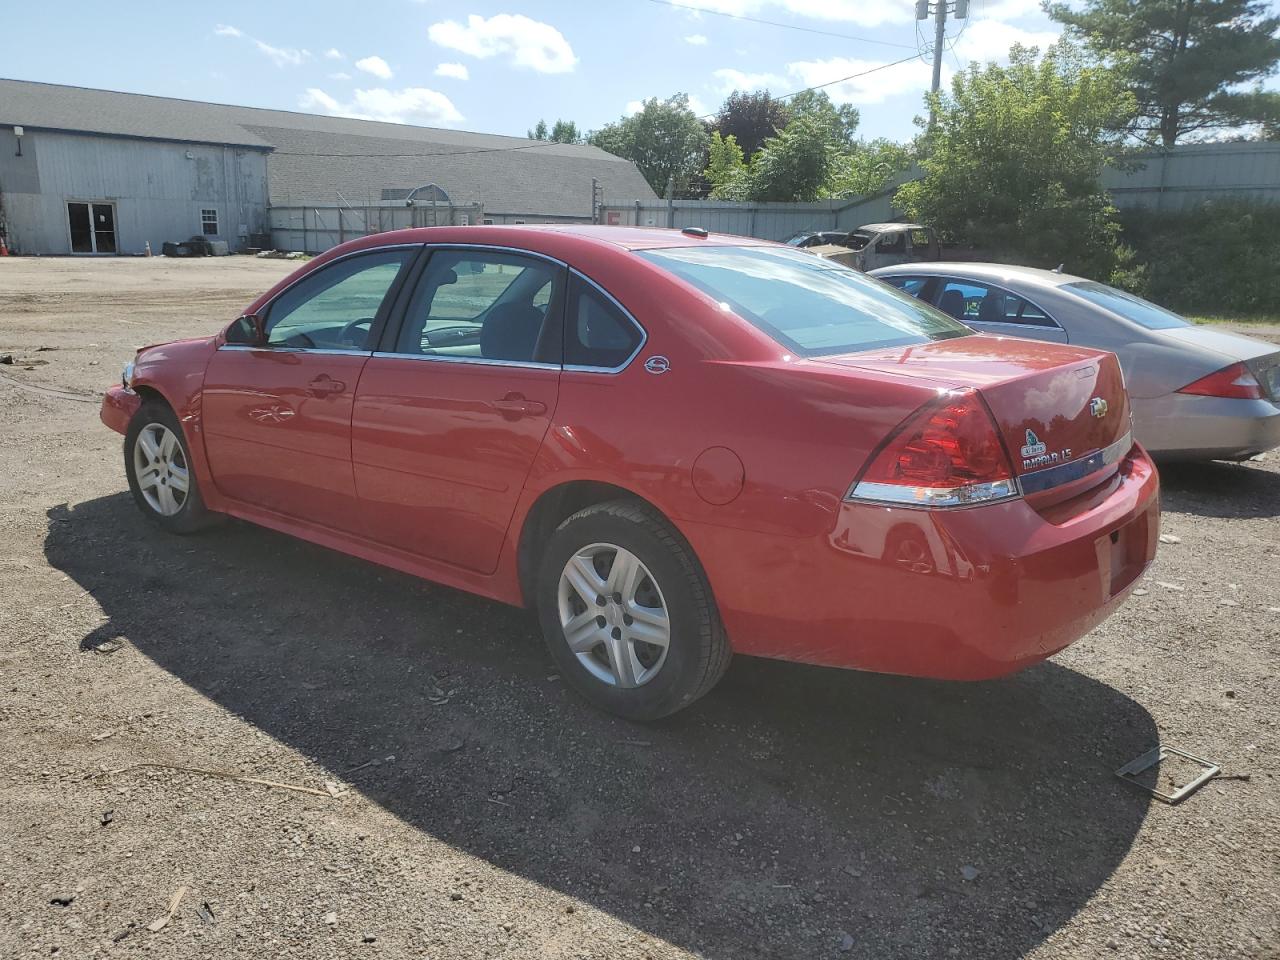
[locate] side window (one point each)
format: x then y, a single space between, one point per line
912 285
597 333
892 243
978 303
484 305
335 307
920 239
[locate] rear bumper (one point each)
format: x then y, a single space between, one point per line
1182 426
118 408
961 594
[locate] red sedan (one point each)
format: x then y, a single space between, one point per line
671 445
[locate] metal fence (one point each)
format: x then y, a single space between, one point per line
314 228
1166 180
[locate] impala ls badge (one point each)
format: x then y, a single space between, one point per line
1098 407
657 365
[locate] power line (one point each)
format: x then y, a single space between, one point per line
775 23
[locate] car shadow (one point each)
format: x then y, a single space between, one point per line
1219 489
794 811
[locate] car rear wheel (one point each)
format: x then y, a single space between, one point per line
161 478
627 612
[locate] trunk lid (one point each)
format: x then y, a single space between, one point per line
1061 411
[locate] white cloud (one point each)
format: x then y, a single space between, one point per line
333 53
530 43
456 70
990 40
416 105
282 56
866 13
632 108
339 76
912 76
696 40
730 80
697 106
1009 9
376 66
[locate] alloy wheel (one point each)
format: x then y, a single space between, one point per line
613 615
161 469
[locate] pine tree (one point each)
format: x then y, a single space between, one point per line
1185 60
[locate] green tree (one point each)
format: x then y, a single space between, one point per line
1016 156
793 166
751 118
1185 60
867 167
564 131
726 171
664 139
840 122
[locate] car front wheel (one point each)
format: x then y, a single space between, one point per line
627 612
160 474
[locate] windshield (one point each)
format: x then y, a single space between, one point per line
1127 305
811 306
798 238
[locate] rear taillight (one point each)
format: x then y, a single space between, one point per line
947 455
1235 381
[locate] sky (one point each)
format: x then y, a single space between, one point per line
497 66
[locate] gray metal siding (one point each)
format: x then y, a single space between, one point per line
158 189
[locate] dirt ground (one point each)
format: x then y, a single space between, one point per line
465 804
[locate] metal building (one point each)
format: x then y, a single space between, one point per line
97 172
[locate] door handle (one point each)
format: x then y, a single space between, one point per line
325 384
519 406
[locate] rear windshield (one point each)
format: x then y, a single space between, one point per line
811 306
1127 305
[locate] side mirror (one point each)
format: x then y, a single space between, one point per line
249 330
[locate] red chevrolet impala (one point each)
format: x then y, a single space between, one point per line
672 445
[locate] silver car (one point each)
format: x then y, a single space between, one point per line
1196 393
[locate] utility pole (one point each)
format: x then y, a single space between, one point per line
939 35
940 11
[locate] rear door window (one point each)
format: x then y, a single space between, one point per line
982 303
484 305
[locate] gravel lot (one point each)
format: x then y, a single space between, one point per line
482 811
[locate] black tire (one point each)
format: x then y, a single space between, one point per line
191 515
698 651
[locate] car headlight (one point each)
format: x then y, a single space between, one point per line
126 376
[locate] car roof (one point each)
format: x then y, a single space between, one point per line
995 272
533 235
895 225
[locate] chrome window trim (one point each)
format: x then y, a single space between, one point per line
644 334
1055 476
322 351
480 361
431 247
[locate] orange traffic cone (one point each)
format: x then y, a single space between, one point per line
4 247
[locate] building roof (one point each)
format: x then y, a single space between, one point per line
315 158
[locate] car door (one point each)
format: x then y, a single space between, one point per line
993 309
450 413
277 416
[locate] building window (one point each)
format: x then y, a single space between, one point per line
209 222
